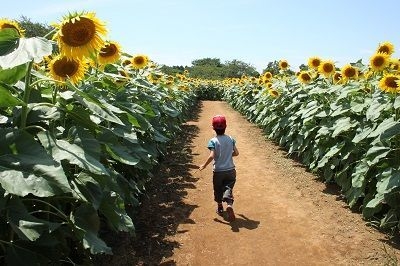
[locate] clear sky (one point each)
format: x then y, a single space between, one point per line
256 32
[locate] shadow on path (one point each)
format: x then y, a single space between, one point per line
241 221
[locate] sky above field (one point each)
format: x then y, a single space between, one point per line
256 32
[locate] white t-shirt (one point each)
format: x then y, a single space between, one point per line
223 149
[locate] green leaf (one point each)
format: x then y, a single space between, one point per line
12 75
396 104
383 126
390 179
27 227
63 150
16 255
88 189
113 208
393 130
122 154
29 49
86 218
25 167
332 152
7 99
8 41
373 206
343 125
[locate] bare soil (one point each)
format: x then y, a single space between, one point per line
284 214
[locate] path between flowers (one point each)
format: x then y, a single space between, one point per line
285 215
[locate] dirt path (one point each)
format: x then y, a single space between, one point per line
285 216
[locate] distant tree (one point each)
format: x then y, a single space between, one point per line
33 29
207 62
236 69
172 70
303 67
272 67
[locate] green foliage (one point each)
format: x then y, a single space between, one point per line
75 157
34 29
212 68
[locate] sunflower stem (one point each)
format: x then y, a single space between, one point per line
26 96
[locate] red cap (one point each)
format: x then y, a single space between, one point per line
219 122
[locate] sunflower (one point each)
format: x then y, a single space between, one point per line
314 62
139 61
337 77
379 61
304 77
385 48
10 24
79 35
267 75
63 69
327 68
110 53
390 83
395 64
349 72
273 93
283 64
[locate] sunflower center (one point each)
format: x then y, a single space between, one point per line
315 63
139 60
65 68
328 68
78 33
391 82
350 72
384 49
108 50
305 77
378 61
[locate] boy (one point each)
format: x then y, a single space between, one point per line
222 147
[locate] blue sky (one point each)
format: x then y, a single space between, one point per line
256 32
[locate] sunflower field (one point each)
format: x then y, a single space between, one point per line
342 123
82 126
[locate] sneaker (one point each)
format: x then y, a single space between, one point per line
220 210
231 214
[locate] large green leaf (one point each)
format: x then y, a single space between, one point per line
113 208
29 49
25 167
394 130
390 179
122 154
28 227
12 75
343 125
85 218
383 126
63 150
7 99
8 41
88 189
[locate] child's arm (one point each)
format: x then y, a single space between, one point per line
235 151
209 160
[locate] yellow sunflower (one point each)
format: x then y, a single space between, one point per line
395 64
349 72
337 77
273 93
283 64
385 48
110 53
10 24
63 69
314 62
327 68
79 35
379 61
267 75
390 83
304 77
139 61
